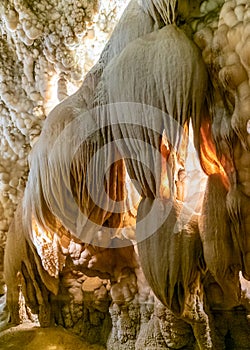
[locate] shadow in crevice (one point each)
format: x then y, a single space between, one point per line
229 342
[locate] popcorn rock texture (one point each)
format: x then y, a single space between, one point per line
46 49
128 279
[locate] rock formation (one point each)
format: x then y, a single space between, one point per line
133 228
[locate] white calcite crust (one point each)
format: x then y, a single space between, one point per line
45 50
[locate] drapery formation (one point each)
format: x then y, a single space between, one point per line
77 167
175 88
131 117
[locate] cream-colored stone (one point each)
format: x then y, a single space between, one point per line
91 284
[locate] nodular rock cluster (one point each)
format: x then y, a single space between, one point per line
46 49
130 279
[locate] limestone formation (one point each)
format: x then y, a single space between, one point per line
133 229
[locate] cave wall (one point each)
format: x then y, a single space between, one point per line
45 53
97 289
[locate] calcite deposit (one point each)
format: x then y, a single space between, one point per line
129 180
46 49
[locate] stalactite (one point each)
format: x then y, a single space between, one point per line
87 249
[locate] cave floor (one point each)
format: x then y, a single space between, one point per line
29 336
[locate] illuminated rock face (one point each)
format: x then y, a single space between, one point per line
178 234
45 52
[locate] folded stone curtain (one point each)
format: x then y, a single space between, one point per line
42 202
158 82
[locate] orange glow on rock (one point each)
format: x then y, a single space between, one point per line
164 186
209 160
